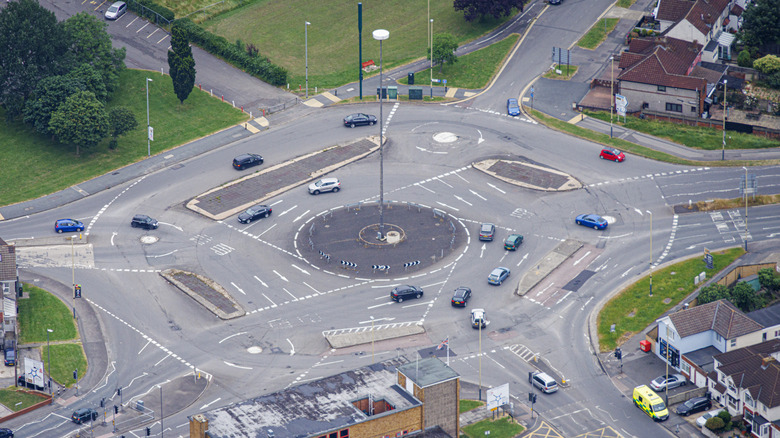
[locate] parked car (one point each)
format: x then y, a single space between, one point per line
612 154
254 213
405 292
359 119
660 383
10 356
694 405
461 296
21 381
544 382
6 433
513 241
83 415
498 275
512 108
650 403
554 2
245 161
68 225
487 231
478 318
592 221
325 185
116 10
144 221
706 416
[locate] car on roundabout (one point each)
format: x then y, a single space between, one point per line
68 225
478 318
591 221
513 242
461 296
144 221
512 108
405 292
245 161
254 213
359 119
498 275
83 415
612 154
487 231
325 185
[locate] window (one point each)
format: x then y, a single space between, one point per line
344 433
645 105
763 336
662 88
777 333
686 368
734 342
719 338
693 109
675 107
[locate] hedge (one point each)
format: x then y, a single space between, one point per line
147 9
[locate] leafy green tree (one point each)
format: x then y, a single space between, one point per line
50 93
769 64
744 59
473 9
89 43
31 46
122 120
444 47
744 297
181 63
768 279
90 80
715 423
759 25
712 293
81 120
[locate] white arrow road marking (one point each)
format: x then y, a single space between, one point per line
239 289
301 216
379 305
522 260
581 258
236 366
480 137
418 304
288 210
491 185
172 225
446 206
281 276
462 200
482 251
209 404
477 195
261 281
301 269
292 347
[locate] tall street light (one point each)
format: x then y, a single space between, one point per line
148 126
480 356
73 271
651 251
381 35
372 339
306 37
48 352
746 205
611 91
430 52
723 149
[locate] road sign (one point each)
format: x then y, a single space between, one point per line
621 101
498 396
151 133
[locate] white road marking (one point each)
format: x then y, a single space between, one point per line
309 286
379 305
144 347
439 180
272 303
301 269
426 188
523 259
281 276
288 292
301 216
463 200
288 210
292 347
419 304
228 337
326 363
281 200
491 185
112 238
236 366
434 284
482 251
210 403
239 289
581 258
477 195
446 206
261 281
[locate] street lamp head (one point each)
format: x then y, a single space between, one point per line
307 23
50 330
381 34
149 80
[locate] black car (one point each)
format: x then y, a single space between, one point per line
144 221
405 292
25 384
10 356
6 433
253 213
83 415
461 296
696 404
245 161
358 119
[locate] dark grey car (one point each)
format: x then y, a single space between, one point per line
405 292
144 221
254 213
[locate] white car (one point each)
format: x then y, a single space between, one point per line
706 416
116 10
478 318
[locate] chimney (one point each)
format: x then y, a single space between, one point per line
765 361
199 425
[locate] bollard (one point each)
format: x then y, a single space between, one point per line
200 87
315 90
299 87
211 92
263 112
223 97
242 108
336 91
233 102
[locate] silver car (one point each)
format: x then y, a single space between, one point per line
660 383
325 185
116 10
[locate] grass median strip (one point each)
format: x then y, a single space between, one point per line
633 309
501 428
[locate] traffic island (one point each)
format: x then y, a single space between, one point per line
348 240
205 291
528 175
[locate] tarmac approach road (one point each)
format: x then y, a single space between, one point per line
289 303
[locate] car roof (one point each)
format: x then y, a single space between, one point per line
117 4
487 226
461 291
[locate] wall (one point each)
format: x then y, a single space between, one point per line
741 272
441 406
685 31
389 424
638 93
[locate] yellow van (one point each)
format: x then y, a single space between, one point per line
648 401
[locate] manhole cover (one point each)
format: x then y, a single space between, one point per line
254 350
149 239
445 137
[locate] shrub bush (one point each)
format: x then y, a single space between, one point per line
146 9
714 424
725 416
744 59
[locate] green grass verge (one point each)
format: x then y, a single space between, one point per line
501 428
709 139
333 35
472 71
633 148
16 400
44 311
633 309
64 359
625 3
596 35
174 124
567 72
467 405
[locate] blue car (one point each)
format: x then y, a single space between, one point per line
592 221
512 108
68 225
498 276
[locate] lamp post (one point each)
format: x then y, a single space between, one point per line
372 339
162 425
746 205
480 358
651 251
430 52
668 347
723 149
306 56
381 35
148 128
48 352
73 271
611 91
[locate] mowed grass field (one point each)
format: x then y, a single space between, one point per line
276 28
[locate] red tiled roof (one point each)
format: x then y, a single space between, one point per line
705 13
755 369
661 61
720 316
737 10
673 10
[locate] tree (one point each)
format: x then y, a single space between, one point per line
769 64
744 297
32 43
444 47
122 120
81 120
744 59
181 63
90 80
768 279
473 9
50 93
89 43
712 293
759 25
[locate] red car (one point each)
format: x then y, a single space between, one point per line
612 154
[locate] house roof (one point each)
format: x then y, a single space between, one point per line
736 10
7 261
705 13
427 372
661 61
720 316
756 369
673 10
768 316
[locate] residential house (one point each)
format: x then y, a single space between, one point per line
702 22
8 285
